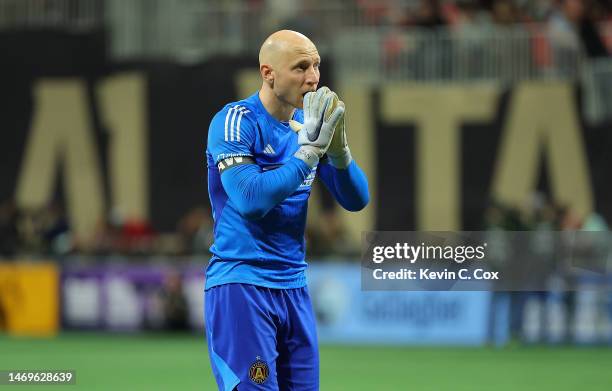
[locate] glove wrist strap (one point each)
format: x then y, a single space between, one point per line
308 155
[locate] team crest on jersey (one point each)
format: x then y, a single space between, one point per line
259 371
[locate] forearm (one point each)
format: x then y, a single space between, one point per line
349 186
254 192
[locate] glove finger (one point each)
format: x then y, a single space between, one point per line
316 104
323 90
332 105
308 104
342 119
325 104
341 103
326 136
321 97
335 117
340 124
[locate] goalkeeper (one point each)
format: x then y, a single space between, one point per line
263 154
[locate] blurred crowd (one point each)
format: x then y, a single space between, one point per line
540 213
570 22
560 31
47 231
462 16
455 13
462 38
577 303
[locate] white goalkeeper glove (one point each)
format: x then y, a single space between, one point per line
338 152
322 113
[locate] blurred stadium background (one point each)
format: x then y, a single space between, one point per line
466 115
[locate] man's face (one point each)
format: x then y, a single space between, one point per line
297 74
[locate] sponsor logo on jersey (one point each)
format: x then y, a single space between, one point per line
268 150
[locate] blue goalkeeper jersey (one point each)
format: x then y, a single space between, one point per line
268 251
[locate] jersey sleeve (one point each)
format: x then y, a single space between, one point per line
254 192
348 186
232 133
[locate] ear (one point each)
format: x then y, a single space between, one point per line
267 74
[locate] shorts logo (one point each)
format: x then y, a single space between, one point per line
259 371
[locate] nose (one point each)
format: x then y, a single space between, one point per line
312 76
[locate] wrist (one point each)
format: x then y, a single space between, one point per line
308 155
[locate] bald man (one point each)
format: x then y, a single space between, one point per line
263 154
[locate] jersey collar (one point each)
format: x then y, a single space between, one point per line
271 119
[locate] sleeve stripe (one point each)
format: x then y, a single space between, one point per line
235 111
227 118
238 125
234 131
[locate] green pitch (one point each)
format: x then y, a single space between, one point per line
179 362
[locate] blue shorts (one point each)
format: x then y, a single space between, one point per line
261 338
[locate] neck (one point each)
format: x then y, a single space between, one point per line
280 110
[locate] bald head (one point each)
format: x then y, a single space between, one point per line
289 67
284 45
